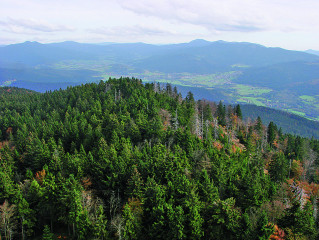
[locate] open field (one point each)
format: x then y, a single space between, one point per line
7 83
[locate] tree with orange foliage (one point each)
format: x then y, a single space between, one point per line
40 175
279 234
296 169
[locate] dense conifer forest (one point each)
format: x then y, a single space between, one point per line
126 160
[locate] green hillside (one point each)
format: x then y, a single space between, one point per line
290 123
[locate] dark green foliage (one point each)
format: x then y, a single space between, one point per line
259 124
225 220
272 133
120 160
300 220
238 111
221 114
278 167
264 228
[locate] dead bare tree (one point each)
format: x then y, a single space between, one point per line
117 224
175 121
309 164
7 223
116 218
198 123
107 87
215 122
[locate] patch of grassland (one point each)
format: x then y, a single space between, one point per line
148 73
240 66
252 100
297 112
249 90
82 64
174 82
310 101
7 83
210 80
308 98
107 76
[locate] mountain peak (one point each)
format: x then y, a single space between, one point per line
31 43
199 42
311 51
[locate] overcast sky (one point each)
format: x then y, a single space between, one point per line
291 24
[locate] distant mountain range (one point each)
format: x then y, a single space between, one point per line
236 72
197 56
312 52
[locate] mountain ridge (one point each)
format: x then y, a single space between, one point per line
315 52
75 51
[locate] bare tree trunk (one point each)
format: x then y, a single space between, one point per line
315 209
309 162
22 229
215 128
176 120
7 213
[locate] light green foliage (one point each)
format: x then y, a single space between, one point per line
47 235
132 214
225 219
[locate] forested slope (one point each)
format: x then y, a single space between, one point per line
290 123
123 160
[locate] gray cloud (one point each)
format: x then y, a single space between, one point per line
213 15
238 28
285 23
136 30
29 26
231 15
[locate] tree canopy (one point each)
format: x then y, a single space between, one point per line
125 160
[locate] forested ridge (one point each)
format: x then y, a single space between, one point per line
126 160
290 123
